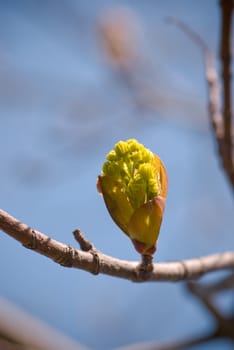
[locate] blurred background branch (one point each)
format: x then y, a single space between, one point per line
21 331
221 118
223 325
227 144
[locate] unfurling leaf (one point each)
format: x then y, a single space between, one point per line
133 183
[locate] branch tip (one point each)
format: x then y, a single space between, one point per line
84 243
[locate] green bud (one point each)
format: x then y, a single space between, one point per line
134 187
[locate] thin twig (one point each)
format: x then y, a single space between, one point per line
84 243
70 257
211 77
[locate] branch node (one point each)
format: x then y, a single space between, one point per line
185 270
145 267
96 261
198 273
66 258
87 246
33 243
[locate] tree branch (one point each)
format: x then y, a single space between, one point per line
70 257
226 56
